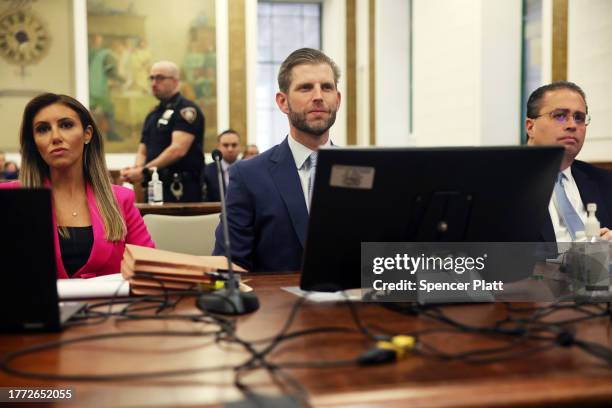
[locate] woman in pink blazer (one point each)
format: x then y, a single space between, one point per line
61 148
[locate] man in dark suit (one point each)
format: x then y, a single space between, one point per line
228 143
557 114
268 197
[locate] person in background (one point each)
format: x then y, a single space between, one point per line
268 196
61 148
2 159
228 143
172 139
250 151
11 170
557 114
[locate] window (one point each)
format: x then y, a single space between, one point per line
282 28
532 53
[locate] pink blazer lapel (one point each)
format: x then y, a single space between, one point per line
101 249
59 264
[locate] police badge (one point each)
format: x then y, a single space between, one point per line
189 114
163 121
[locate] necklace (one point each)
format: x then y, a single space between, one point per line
74 212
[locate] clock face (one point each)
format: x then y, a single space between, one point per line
24 38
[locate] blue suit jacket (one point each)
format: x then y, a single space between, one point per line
595 186
266 213
212 183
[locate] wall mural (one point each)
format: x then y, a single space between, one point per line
125 39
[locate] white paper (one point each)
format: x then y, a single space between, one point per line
352 294
105 286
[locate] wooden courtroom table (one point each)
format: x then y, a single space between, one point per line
564 376
180 208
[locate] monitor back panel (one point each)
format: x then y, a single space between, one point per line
485 194
28 293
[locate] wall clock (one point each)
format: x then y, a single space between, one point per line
24 38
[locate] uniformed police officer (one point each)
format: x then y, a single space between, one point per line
172 139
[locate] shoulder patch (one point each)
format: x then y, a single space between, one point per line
189 114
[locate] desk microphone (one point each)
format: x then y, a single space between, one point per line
229 300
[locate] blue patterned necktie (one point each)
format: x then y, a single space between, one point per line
566 209
313 169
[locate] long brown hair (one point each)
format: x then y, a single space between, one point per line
34 170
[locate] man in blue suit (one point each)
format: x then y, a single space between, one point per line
228 143
557 114
268 196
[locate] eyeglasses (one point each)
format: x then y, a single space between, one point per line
561 116
159 77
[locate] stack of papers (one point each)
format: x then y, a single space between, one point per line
104 286
152 271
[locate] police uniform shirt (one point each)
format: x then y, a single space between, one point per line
181 114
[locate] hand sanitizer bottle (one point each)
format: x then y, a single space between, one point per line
155 189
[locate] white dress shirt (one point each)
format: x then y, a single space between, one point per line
300 154
571 189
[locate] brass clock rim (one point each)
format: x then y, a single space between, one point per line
39 22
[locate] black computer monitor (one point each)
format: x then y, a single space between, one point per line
452 194
28 294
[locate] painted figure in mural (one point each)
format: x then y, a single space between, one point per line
140 64
103 73
193 66
172 139
122 52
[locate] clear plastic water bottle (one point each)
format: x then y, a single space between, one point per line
597 251
588 261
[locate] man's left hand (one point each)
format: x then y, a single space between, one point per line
605 233
132 174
